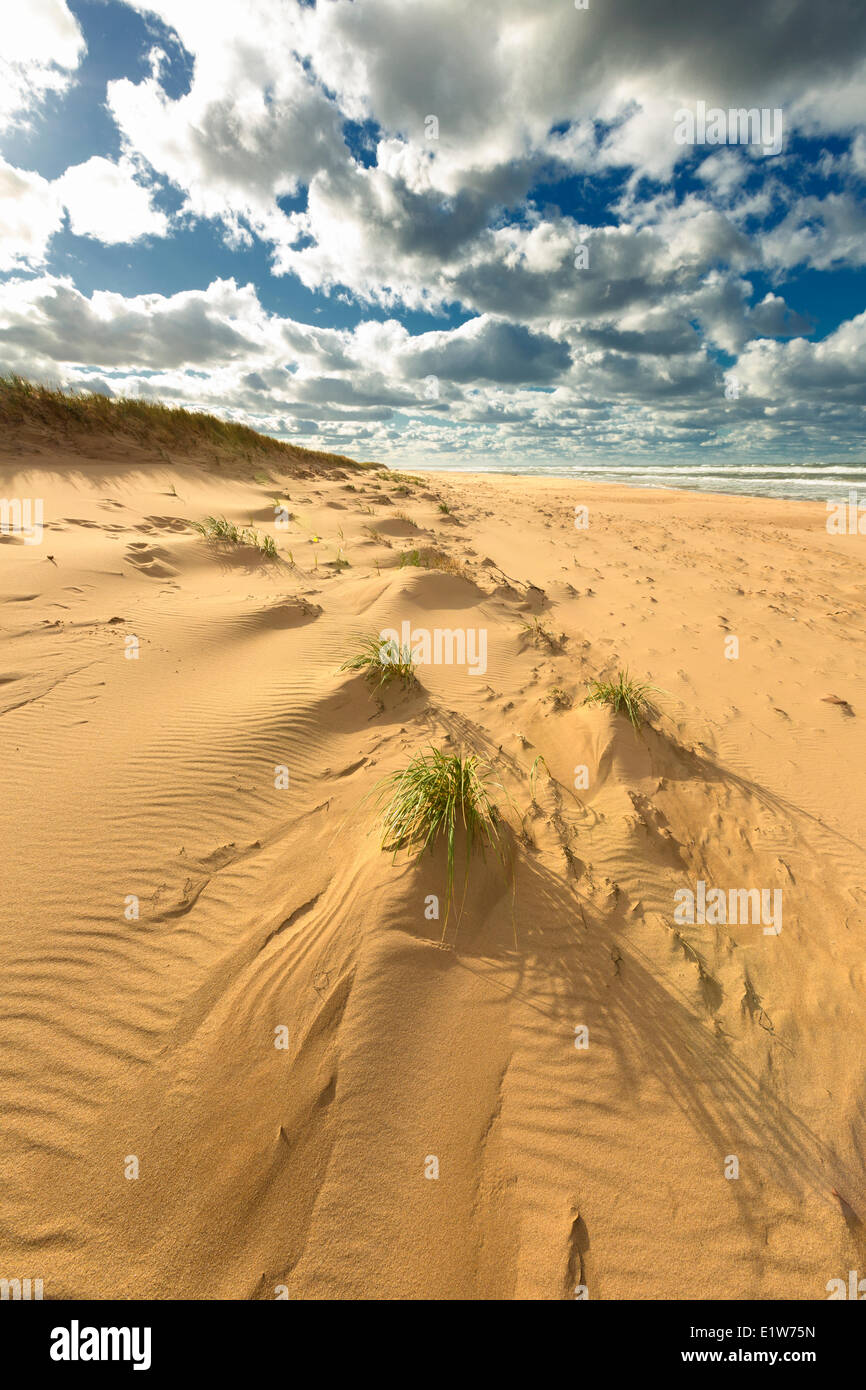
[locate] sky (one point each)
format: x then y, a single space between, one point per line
432 232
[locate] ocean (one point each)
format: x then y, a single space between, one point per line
820 482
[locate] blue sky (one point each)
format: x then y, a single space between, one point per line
358 225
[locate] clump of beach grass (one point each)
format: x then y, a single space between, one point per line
217 528
428 557
377 536
382 662
624 696
391 476
440 796
537 633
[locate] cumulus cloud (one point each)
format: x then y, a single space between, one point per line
105 201
42 45
498 389
51 320
797 373
820 233
30 214
488 350
254 124
513 91
398 153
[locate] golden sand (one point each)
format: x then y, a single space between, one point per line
172 912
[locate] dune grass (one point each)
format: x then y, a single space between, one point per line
537 633
392 476
217 528
150 422
377 536
440 796
538 761
624 696
429 558
382 662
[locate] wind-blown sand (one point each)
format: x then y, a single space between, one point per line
304 1167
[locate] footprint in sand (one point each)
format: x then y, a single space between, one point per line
151 560
166 523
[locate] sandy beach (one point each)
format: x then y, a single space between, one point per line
238 1060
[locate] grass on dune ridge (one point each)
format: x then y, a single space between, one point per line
217 528
440 795
626 696
382 662
25 402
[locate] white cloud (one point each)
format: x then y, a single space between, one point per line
254 123
858 155
40 47
30 213
800 374
820 233
51 319
645 378
105 201
514 86
724 171
553 356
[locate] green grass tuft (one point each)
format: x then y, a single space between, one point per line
428 557
382 662
392 477
625 696
217 528
440 796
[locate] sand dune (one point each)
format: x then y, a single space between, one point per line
150 779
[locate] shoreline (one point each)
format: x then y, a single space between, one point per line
565 479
